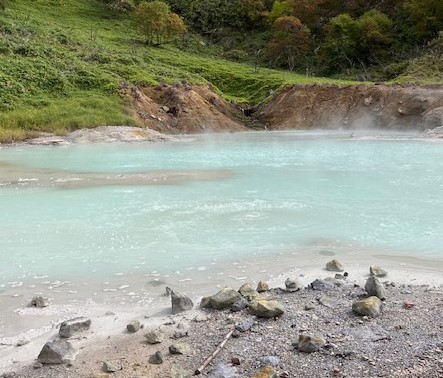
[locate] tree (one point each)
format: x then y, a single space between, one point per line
156 21
424 18
289 42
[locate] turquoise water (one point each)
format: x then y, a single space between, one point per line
287 191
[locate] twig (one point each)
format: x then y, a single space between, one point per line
215 353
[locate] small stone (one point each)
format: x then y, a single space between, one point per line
39 302
310 344
168 291
179 348
326 301
321 285
269 361
199 318
309 306
235 361
73 326
22 342
374 288
262 286
180 302
334 266
155 336
37 365
245 325
109 367
240 305
293 284
181 331
156 359
133 326
57 352
377 271
368 307
269 309
205 302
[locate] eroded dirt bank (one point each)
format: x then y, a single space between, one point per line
197 109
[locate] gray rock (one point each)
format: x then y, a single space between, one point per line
179 348
248 292
269 361
156 359
109 367
57 352
293 284
37 365
309 344
73 326
368 307
181 331
133 326
309 306
327 301
377 271
205 302
374 288
321 285
39 302
334 266
262 286
240 305
22 342
225 298
222 370
269 309
155 336
245 325
199 318
168 291
180 302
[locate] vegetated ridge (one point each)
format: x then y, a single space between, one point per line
84 64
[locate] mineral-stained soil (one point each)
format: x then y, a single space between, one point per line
198 109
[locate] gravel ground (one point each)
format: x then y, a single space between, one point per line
405 341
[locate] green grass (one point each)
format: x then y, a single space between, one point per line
63 63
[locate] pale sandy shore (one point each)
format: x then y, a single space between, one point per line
108 339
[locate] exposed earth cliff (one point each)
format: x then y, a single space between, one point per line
185 109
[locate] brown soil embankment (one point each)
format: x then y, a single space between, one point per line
184 109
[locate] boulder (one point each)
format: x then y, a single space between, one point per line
155 336
39 302
57 352
269 309
368 307
180 302
179 348
262 286
133 326
293 284
310 344
73 326
248 292
334 266
225 298
374 288
156 359
377 271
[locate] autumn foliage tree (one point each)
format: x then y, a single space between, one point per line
156 21
289 42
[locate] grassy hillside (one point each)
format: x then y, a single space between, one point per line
63 64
